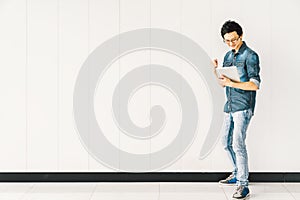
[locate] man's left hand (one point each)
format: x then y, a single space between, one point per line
224 81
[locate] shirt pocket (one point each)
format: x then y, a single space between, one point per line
227 64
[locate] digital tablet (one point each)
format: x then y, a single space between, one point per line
229 72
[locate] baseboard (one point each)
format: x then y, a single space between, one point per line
142 177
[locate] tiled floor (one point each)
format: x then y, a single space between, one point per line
143 191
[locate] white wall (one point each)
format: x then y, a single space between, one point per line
43 45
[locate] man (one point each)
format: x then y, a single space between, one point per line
240 104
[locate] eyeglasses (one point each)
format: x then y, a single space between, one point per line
232 40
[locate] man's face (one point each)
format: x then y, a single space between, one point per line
233 40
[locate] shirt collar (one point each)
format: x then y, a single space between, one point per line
241 49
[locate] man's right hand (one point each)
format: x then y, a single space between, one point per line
215 62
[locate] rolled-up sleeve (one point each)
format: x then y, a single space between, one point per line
252 64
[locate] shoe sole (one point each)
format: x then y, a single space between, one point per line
228 184
246 197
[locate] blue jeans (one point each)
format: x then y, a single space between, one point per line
233 139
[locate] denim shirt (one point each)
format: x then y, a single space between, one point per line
247 63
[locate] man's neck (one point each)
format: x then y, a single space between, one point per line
238 47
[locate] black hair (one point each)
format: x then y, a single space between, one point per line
231 26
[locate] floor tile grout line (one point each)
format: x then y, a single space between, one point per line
224 192
159 184
93 192
23 196
289 191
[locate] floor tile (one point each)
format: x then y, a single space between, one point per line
132 191
14 191
191 191
60 191
294 189
143 191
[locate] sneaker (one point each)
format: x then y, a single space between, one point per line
242 192
230 180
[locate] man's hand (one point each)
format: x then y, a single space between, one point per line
224 81
249 85
215 63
